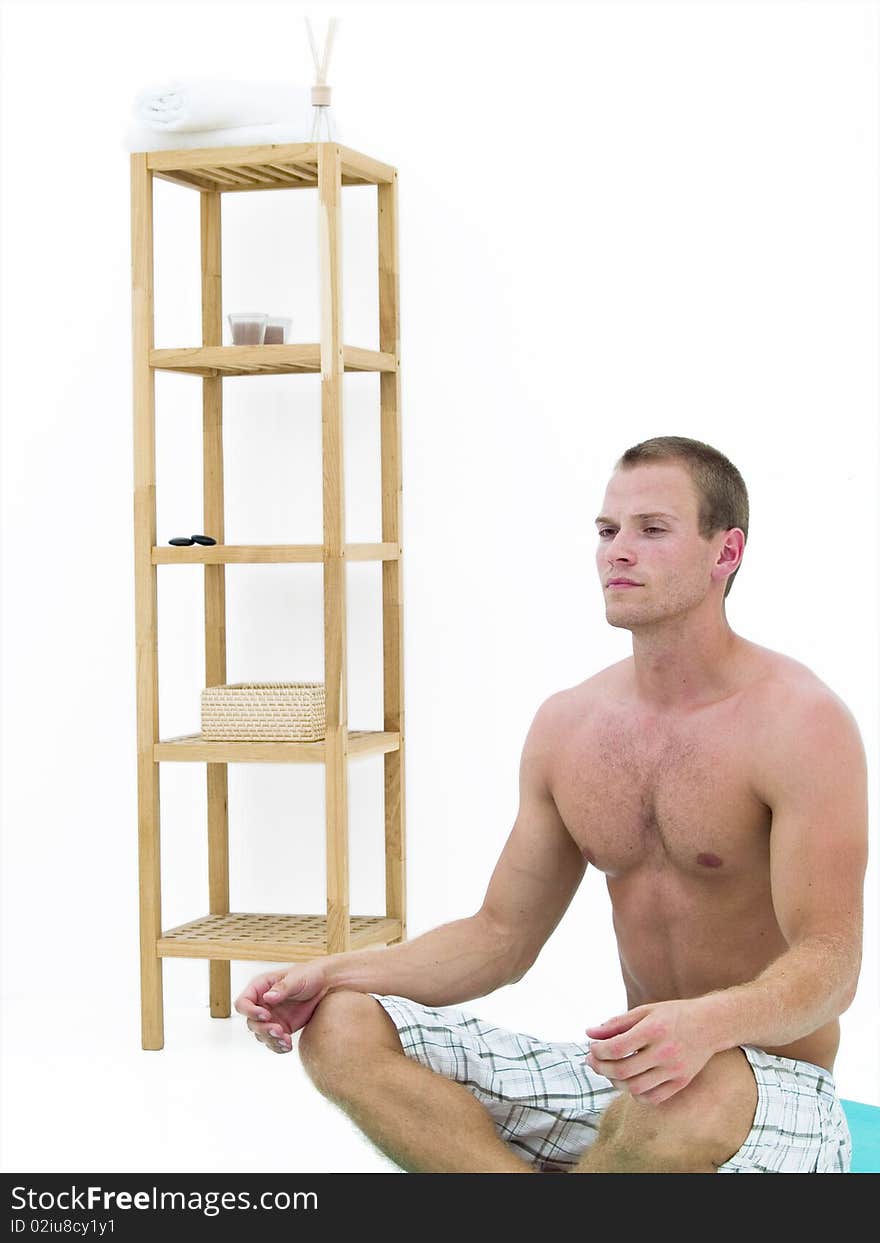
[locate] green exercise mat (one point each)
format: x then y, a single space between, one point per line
864 1126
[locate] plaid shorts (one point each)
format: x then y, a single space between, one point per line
547 1104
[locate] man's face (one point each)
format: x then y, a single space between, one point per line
648 533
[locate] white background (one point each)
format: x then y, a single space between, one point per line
618 220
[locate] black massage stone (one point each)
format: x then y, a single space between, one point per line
180 541
204 539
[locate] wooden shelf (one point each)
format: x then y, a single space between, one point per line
193 748
269 166
325 168
266 554
230 360
287 938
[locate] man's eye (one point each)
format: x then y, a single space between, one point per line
661 530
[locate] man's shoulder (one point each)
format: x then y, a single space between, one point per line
786 685
790 710
594 689
572 708
802 737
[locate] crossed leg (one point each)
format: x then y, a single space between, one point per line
692 1132
427 1123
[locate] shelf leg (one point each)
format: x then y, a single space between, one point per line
392 571
219 991
336 732
336 788
219 975
146 621
152 1016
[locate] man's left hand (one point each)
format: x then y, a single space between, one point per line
652 1051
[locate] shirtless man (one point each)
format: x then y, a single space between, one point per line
721 787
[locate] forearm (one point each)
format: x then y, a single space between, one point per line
450 964
809 985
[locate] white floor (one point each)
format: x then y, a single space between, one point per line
81 1096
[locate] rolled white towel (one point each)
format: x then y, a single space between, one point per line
143 138
185 104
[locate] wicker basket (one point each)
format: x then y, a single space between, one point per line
265 711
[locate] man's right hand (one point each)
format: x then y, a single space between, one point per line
279 1003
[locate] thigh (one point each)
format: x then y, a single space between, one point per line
799 1125
694 1131
542 1097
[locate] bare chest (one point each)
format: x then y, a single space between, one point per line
635 793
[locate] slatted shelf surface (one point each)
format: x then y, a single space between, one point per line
269 166
233 360
266 554
289 938
193 748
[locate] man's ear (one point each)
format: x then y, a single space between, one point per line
733 548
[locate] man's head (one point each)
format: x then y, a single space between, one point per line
682 553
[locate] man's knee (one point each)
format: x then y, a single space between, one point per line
701 1125
346 1030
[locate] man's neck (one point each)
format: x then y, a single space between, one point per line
679 670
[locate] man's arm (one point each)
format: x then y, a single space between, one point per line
814 779
532 884
530 889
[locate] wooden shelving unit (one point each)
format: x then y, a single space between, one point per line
221 935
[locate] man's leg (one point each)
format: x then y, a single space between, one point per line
423 1121
692 1132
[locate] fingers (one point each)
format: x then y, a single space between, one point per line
248 1000
621 1044
301 984
626 1067
260 1021
646 1087
272 1035
613 1027
247 1005
257 1003
657 1094
279 990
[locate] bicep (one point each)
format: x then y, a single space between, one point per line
540 866
815 783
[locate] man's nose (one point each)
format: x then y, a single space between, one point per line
618 548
